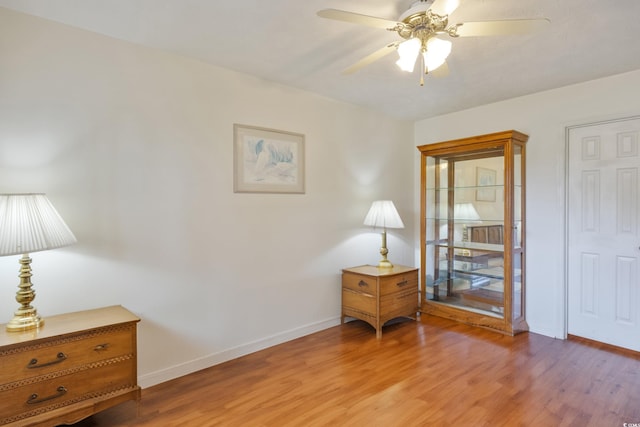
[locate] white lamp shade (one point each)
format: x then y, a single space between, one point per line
30 223
437 52
408 52
383 214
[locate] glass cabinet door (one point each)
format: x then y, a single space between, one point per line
467 249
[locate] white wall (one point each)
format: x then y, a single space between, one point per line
135 149
544 117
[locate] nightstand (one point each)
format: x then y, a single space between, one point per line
377 295
74 366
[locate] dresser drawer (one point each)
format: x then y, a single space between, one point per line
398 283
359 283
359 301
399 304
24 399
66 353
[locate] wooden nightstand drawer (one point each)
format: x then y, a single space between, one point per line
360 283
399 283
24 400
400 304
359 301
75 350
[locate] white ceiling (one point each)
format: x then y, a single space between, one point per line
284 41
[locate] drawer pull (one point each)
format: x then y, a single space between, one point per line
363 284
33 363
101 347
401 284
34 399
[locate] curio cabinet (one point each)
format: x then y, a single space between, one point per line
473 230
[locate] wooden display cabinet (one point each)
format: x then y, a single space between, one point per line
472 230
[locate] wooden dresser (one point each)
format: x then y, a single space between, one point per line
74 366
377 295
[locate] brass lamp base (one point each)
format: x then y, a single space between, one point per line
384 262
25 321
26 317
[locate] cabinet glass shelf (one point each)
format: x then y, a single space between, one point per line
469 187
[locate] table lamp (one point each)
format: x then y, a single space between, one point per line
29 223
383 214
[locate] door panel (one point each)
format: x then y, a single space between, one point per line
603 239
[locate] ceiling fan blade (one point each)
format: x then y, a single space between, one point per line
441 71
391 47
444 7
498 28
356 18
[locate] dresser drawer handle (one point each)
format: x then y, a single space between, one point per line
34 399
101 347
363 284
33 363
401 284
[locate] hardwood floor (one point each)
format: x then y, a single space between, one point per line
433 372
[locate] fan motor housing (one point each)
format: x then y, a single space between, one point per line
417 8
420 22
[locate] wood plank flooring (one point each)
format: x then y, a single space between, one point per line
433 372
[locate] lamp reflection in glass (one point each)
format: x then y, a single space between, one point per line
29 223
383 214
466 213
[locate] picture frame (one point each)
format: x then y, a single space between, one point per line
268 160
485 178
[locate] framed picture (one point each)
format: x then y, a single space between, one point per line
267 160
485 178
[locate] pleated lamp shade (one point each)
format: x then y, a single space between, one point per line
383 214
29 223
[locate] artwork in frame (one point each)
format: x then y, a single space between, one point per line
267 160
485 178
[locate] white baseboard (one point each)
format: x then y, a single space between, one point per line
157 377
547 332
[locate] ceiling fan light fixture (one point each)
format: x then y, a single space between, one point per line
408 52
421 25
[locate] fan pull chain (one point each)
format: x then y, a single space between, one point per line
424 67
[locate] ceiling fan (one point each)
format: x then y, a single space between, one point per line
421 27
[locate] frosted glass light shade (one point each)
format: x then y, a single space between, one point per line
408 52
383 214
30 223
437 52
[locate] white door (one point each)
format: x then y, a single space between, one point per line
603 238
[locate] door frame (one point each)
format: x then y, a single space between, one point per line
568 129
